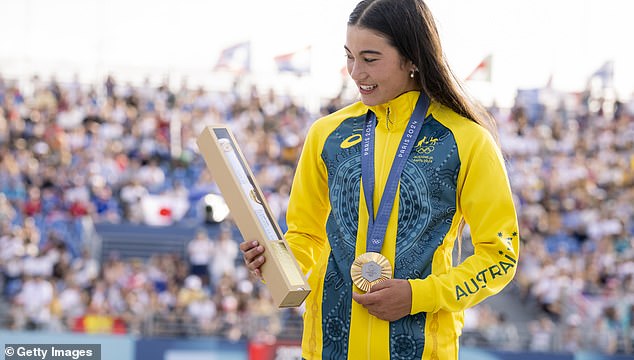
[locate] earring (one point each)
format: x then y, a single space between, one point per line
411 73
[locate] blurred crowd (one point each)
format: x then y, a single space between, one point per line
571 164
72 154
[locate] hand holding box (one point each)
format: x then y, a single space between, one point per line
228 167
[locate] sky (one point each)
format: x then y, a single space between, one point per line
530 41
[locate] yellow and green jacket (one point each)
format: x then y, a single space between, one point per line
454 172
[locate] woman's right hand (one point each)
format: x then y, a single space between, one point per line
252 252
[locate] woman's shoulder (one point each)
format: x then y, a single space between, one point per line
469 136
456 123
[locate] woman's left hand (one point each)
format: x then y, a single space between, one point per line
388 300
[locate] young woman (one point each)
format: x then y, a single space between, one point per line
381 193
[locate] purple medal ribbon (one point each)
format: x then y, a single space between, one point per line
377 227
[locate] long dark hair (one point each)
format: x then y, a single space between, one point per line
410 27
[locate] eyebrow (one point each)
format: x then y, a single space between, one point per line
365 52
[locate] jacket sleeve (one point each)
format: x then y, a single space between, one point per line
485 201
308 205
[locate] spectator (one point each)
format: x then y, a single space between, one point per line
200 251
502 334
224 257
85 269
33 304
72 301
131 195
542 335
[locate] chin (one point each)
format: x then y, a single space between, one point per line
371 100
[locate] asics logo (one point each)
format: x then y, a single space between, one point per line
351 141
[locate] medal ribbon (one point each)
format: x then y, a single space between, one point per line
377 227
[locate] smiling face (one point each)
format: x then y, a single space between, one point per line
378 69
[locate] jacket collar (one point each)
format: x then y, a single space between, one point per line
400 109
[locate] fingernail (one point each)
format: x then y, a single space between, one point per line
254 242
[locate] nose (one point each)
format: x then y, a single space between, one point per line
355 69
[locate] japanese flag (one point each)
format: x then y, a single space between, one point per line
163 210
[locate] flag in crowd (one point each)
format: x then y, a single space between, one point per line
163 210
482 72
297 62
235 58
605 74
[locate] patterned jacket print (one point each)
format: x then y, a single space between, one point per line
454 172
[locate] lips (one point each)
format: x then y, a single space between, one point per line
367 88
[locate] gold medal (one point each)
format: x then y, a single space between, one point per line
369 269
